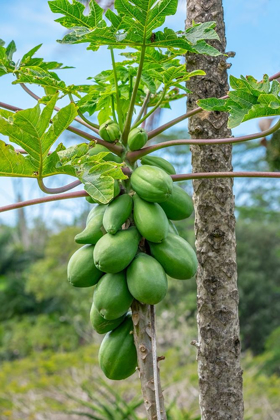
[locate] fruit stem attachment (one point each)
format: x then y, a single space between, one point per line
155 365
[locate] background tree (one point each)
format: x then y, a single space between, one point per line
218 345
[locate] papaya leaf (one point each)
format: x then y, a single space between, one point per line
97 175
133 25
249 99
35 132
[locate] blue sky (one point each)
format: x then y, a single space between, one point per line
252 28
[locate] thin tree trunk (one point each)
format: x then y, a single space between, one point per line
141 316
220 374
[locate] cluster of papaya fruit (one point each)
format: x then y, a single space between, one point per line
130 246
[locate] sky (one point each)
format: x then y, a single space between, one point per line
252 29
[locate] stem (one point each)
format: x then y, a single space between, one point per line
117 89
79 120
152 110
112 147
59 189
76 194
142 321
275 76
205 175
113 109
155 364
132 156
133 98
144 106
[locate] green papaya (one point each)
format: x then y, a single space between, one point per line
172 228
110 131
137 138
111 297
113 253
81 271
99 148
96 211
90 200
160 163
176 256
151 183
94 227
179 205
117 354
146 279
102 325
150 220
117 212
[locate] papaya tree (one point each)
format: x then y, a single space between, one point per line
130 244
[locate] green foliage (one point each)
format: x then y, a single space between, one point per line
249 99
27 128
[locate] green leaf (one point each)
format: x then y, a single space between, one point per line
249 99
200 31
15 164
35 132
74 13
97 175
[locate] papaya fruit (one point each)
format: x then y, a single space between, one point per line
81 270
160 163
117 212
95 211
113 253
99 148
179 205
111 296
110 131
94 227
176 256
117 354
137 138
150 220
146 279
102 325
172 228
151 183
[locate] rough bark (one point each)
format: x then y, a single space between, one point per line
220 374
141 316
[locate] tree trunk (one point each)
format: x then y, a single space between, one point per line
141 316
220 374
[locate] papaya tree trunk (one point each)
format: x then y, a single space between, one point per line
218 344
141 316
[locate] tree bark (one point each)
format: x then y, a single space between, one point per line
220 374
141 316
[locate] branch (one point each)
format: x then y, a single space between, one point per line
58 190
133 156
112 147
21 204
206 175
79 120
164 127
